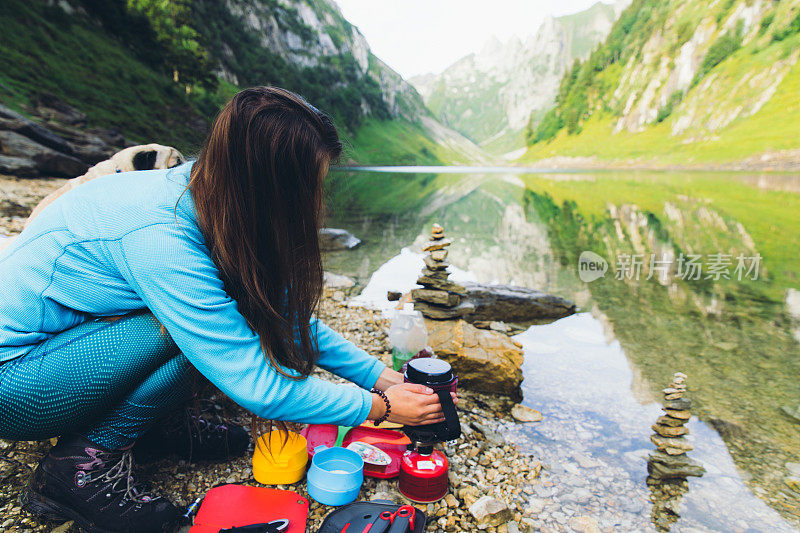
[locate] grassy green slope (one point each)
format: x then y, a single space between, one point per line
735 82
44 50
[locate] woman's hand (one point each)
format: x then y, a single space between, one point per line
412 405
388 378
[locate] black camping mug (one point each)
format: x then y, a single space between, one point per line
438 375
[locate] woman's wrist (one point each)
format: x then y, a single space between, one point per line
388 410
388 378
378 409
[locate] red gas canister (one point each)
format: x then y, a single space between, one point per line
423 476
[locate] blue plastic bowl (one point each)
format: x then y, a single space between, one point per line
335 476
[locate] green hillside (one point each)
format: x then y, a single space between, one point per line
112 64
677 83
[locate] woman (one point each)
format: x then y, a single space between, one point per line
213 267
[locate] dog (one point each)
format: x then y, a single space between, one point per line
142 157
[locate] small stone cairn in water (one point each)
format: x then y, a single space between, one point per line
670 460
439 298
669 466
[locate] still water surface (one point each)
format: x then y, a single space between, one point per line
597 375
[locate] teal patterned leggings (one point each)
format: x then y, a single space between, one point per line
108 380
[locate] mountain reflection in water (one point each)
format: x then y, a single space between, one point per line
597 375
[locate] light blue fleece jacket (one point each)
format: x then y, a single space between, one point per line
130 241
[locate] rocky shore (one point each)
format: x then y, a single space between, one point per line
490 480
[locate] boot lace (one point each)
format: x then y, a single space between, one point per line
120 478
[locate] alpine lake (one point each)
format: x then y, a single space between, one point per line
701 277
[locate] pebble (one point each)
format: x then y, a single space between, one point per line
451 501
584 524
523 413
489 511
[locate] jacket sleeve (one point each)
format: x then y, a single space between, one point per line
173 274
345 359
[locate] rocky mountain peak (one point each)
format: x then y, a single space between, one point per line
489 96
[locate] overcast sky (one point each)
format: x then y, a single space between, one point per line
420 36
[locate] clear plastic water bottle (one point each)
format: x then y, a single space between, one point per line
407 334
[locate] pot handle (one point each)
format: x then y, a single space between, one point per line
320 448
450 414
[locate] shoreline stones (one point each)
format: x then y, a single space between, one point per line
670 460
440 298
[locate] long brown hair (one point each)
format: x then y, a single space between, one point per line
257 187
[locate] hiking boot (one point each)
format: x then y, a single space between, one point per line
194 439
81 481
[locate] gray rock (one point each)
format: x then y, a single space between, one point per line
433 264
23 167
579 495
88 147
337 281
48 162
664 466
9 120
332 239
508 303
492 437
678 404
438 312
438 297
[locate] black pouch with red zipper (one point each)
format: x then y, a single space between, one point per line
361 515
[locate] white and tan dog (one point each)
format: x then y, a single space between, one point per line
142 157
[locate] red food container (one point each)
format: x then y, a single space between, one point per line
423 478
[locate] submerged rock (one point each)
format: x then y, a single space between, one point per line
333 239
584 524
524 413
483 360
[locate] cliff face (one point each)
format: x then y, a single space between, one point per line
311 44
490 96
155 70
684 79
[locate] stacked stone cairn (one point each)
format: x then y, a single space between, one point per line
670 460
439 298
669 466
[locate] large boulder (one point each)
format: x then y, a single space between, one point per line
333 239
13 121
484 360
508 303
60 147
48 162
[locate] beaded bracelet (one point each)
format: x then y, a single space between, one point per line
385 416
